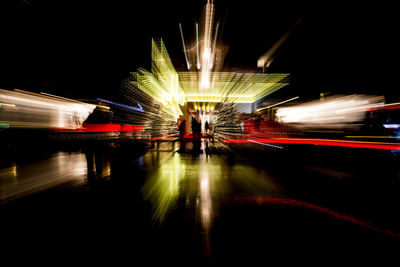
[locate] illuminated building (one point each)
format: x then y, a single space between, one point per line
199 90
173 89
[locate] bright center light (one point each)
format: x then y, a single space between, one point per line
206 54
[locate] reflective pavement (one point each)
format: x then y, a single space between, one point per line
198 204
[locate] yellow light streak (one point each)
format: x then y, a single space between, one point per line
172 88
7 105
162 83
294 98
231 86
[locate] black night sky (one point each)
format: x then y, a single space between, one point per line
130 179
84 49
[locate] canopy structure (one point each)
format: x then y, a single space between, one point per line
173 89
231 86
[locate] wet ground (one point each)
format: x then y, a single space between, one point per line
202 205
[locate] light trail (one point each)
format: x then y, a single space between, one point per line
7 105
184 46
373 137
325 142
264 144
385 106
291 99
140 109
306 205
214 46
161 137
265 60
97 128
197 46
206 57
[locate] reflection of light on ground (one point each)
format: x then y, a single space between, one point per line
200 184
31 178
8 176
205 201
140 161
106 171
74 163
14 170
205 196
162 189
200 179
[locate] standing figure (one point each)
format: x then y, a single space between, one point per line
207 126
198 132
182 130
194 128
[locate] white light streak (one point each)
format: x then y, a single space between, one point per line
291 99
335 112
184 47
197 46
40 111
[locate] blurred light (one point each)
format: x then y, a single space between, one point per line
214 46
31 110
161 137
163 188
336 112
104 107
184 47
140 109
93 128
197 47
306 205
206 207
373 137
391 126
231 86
265 60
384 106
253 141
294 98
7 105
162 83
206 56
63 168
325 142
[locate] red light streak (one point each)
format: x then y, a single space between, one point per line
325 142
95 128
306 205
160 137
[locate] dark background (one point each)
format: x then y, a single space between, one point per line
83 49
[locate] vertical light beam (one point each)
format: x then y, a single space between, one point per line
214 45
197 46
184 47
206 51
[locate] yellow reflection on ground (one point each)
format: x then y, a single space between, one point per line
199 184
202 182
162 189
209 176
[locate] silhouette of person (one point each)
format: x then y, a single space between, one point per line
198 131
194 129
182 130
